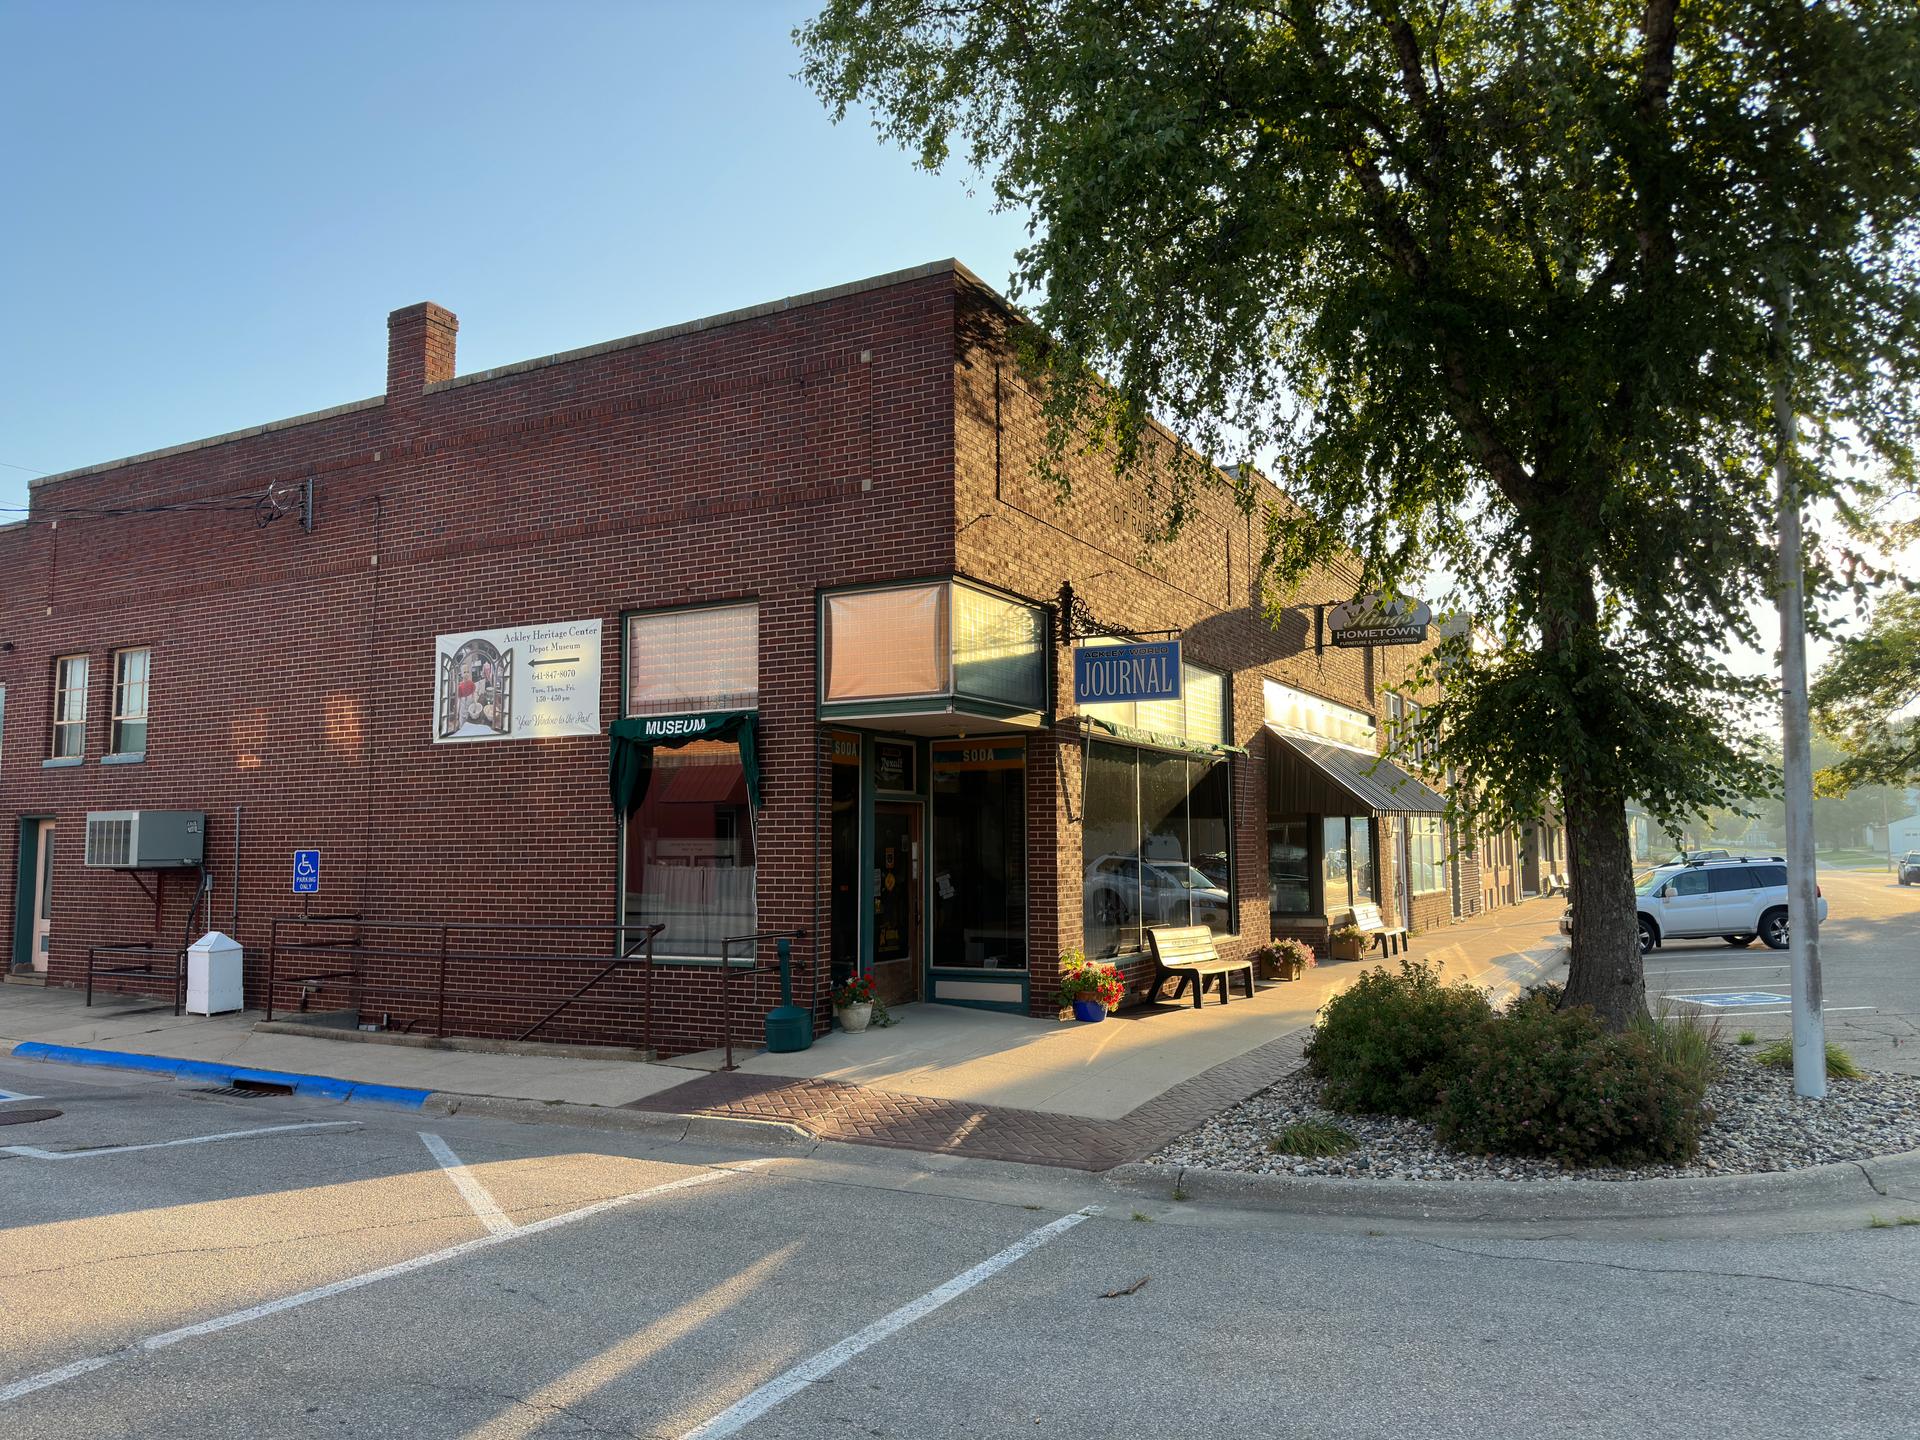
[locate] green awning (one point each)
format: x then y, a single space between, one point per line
630 766
1157 739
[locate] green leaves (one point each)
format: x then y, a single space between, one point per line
1865 696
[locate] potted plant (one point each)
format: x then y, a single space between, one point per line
1348 942
853 1003
1285 959
1092 987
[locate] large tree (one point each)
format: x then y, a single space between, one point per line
1500 286
1867 697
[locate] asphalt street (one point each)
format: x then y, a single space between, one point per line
179 1262
1870 952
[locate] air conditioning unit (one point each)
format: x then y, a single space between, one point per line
145 839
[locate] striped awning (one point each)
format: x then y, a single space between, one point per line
1375 782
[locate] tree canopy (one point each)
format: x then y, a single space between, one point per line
1867 696
1498 287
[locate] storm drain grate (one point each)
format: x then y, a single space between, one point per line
26 1117
249 1088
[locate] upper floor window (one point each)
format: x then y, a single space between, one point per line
683 661
130 670
69 707
933 641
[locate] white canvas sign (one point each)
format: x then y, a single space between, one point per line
530 682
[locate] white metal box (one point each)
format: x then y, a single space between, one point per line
214 974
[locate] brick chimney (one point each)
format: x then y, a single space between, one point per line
419 348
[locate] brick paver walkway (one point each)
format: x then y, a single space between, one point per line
834 1110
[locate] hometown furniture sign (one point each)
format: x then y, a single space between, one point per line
1117 674
529 682
1378 620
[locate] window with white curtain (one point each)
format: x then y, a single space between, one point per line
684 661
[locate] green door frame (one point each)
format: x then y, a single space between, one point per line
25 893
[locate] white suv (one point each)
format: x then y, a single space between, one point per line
1734 899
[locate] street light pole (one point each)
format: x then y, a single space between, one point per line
1803 913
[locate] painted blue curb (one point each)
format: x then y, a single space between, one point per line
317 1087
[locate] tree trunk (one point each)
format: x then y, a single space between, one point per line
1605 971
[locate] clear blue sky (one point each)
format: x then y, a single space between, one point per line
208 209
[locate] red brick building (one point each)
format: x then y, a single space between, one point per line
398 632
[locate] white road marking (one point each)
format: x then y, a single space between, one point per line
755 1403
339 1287
32 1152
10 1095
1720 969
1737 1011
469 1186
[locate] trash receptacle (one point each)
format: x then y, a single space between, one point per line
789 1026
214 974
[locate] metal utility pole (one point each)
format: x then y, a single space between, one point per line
1803 912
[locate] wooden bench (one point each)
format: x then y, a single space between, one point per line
1187 951
1367 920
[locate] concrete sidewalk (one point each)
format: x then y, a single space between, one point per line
943 1079
1107 1070
143 1027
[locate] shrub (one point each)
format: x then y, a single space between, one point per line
1689 1041
1840 1065
1558 1084
1546 995
1313 1139
1384 1045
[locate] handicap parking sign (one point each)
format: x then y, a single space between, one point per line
306 872
1737 999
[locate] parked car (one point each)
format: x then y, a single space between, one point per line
1689 857
1910 868
1161 892
1736 899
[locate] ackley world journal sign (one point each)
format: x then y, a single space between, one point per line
1116 674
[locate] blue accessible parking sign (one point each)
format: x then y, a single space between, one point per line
306 872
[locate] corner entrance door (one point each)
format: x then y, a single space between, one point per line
42 896
896 901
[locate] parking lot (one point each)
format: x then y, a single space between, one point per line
180 1262
1870 948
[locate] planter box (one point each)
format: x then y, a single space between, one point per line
1348 949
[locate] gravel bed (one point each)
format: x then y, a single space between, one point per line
1758 1125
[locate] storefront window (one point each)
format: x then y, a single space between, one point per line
1348 873
844 901
690 860
1426 854
1157 846
1289 882
1366 884
1336 860
980 854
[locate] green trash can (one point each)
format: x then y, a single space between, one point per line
789 1027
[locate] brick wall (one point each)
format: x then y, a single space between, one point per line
292 673
1017 531
876 432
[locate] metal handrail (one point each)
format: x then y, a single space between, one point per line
150 953
436 944
726 978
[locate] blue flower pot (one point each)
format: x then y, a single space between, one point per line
1090 1011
